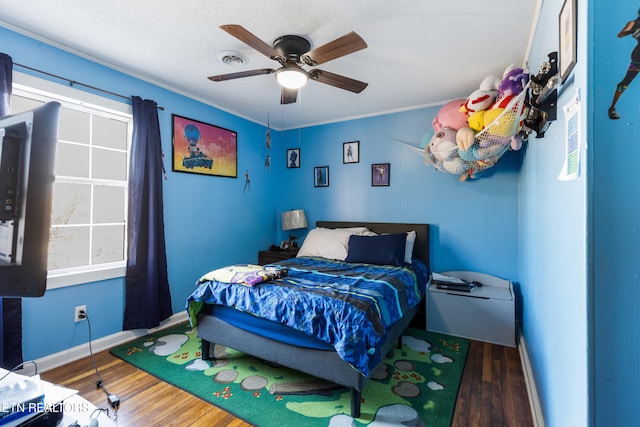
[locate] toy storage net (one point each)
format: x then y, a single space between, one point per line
489 144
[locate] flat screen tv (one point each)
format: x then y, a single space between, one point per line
27 154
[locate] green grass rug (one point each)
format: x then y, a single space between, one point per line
415 386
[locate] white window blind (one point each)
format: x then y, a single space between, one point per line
89 211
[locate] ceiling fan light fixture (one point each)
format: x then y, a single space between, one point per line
292 77
292 53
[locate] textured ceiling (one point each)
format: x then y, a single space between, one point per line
420 52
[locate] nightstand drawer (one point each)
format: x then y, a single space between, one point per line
270 257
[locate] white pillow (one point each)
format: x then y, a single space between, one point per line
331 243
360 231
408 250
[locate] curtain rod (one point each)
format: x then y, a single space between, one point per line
73 82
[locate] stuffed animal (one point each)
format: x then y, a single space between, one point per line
502 101
513 81
499 124
490 82
468 155
516 141
455 166
465 138
494 150
477 152
510 102
482 98
443 144
511 85
450 117
478 100
476 121
472 134
478 167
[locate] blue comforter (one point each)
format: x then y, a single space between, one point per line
347 305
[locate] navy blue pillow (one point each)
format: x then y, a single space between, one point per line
385 249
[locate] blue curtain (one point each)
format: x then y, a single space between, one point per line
6 82
148 301
10 308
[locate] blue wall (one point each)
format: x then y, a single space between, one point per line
209 221
578 241
474 222
570 246
616 228
553 250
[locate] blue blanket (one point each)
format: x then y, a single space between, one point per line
348 305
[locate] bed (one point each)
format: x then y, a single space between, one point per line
295 344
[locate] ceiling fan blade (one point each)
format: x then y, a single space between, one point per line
338 81
231 76
288 96
250 39
341 46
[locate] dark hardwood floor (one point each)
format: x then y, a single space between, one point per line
492 392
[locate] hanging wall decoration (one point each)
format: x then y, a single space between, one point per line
293 158
568 53
380 174
267 143
202 148
321 176
351 152
247 182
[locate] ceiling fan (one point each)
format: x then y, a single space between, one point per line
292 52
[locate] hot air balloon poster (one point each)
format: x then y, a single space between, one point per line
202 148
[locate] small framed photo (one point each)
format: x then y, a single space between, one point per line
568 52
321 176
351 152
293 158
380 174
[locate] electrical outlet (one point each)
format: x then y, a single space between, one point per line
80 317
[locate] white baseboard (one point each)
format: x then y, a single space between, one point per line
67 356
532 391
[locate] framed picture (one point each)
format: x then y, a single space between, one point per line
321 176
351 152
568 51
202 148
380 174
293 158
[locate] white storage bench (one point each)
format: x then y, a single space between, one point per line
485 314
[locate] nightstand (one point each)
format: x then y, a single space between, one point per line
269 257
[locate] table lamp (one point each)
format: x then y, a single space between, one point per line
293 220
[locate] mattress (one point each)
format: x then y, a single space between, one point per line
265 328
349 306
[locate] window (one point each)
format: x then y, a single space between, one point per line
88 219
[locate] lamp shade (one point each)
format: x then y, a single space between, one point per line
294 219
292 77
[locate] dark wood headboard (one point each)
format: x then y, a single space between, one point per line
420 248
